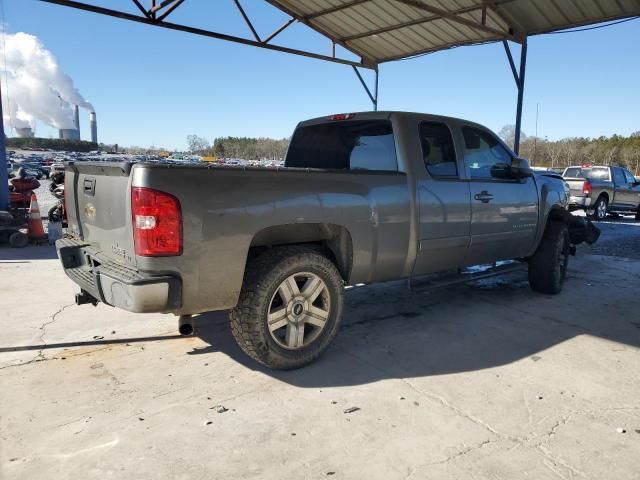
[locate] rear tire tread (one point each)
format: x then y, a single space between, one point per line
247 318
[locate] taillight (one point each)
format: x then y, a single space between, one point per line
586 188
157 223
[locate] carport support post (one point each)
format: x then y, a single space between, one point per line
520 82
4 177
374 97
375 103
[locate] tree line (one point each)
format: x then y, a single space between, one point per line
246 148
615 150
59 144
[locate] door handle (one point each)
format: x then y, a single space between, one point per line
484 196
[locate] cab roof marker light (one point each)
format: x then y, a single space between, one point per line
341 116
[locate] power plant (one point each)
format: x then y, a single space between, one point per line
74 133
37 89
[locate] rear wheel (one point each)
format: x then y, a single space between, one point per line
548 266
290 307
600 209
638 213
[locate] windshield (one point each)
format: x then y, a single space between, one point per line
357 145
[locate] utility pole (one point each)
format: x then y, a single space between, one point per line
4 176
535 139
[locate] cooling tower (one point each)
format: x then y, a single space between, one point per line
25 132
70 134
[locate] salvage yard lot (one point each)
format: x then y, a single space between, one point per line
485 380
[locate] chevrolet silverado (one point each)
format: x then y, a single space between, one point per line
363 198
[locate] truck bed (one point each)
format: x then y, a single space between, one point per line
226 210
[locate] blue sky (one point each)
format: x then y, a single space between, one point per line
151 86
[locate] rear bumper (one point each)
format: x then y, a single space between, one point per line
115 284
579 202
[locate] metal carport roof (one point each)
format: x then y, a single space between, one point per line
383 30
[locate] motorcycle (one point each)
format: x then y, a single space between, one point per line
57 212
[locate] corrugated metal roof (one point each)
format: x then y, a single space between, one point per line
384 30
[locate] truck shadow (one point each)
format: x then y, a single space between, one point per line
25 255
391 332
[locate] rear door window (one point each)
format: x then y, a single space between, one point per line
352 145
438 152
618 176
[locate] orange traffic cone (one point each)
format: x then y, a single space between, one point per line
34 228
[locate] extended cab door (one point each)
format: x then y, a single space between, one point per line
444 201
627 196
504 211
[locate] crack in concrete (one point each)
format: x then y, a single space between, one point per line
463 452
43 329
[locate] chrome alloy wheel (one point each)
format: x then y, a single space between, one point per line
299 310
601 209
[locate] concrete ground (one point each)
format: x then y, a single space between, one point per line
485 380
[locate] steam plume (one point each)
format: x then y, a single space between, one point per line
36 86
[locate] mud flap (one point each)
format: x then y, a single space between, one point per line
582 230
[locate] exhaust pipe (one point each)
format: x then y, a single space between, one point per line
185 325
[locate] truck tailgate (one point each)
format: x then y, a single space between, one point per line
99 208
576 186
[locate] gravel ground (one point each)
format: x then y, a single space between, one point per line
620 238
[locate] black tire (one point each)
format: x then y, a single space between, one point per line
263 276
548 266
18 240
600 212
638 214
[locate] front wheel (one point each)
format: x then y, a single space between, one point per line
548 266
290 307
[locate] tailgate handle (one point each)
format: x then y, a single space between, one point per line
89 186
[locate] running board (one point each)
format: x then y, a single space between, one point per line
478 272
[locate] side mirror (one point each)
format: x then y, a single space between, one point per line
520 168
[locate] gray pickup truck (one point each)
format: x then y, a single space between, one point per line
363 198
602 190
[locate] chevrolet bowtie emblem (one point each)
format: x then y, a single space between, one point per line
90 211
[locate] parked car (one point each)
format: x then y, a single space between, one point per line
56 168
363 198
602 190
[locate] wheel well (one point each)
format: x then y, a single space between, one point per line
334 241
603 194
558 214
